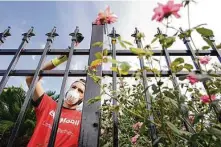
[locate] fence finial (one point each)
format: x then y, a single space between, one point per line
76 36
113 34
51 35
135 34
29 34
5 34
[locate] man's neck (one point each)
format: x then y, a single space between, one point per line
69 107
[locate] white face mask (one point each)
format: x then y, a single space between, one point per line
72 97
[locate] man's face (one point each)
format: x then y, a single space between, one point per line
80 88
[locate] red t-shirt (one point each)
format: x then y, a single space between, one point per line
68 128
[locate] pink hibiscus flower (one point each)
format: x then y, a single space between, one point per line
164 11
134 139
192 78
205 98
106 17
204 60
137 126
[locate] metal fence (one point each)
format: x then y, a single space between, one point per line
90 127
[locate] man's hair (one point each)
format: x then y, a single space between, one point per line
83 81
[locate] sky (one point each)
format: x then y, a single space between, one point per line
67 15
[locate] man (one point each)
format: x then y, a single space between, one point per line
45 108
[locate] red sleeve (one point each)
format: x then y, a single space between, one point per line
46 102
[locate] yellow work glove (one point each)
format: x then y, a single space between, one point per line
59 60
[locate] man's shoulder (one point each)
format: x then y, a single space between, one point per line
44 100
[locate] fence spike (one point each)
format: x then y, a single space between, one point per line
152 127
113 36
14 61
4 35
31 89
62 93
175 83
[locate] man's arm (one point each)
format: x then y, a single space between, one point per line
39 91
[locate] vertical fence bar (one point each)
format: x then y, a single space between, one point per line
90 126
215 48
186 41
152 127
175 84
14 61
31 89
113 36
62 94
4 34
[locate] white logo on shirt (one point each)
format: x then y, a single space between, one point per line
65 120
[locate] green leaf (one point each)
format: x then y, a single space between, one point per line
197 117
95 78
173 128
155 39
178 61
179 68
209 42
140 35
99 44
125 66
122 44
112 61
122 72
137 51
168 94
98 55
155 89
174 65
205 47
119 38
205 32
187 66
215 131
127 42
149 53
114 69
185 34
170 100
115 108
168 42
190 89
105 52
156 71
105 60
5 125
93 100
159 83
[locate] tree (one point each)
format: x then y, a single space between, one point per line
11 101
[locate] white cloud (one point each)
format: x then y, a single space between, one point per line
33 57
42 46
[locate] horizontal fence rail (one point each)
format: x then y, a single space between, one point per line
118 52
83 73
